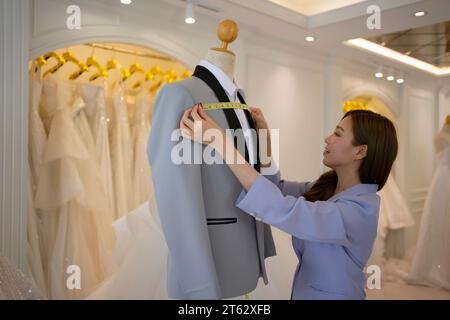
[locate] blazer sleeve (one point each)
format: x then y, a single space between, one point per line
321 221
179 198
292 188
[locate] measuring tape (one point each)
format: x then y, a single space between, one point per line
224 105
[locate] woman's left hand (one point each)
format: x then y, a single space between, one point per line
196 125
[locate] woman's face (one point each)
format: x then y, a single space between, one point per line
339 150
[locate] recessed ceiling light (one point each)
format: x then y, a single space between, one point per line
400 80
125 1
310 38
390 78
379 73
190 19
419 13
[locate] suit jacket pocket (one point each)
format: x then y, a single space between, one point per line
214 221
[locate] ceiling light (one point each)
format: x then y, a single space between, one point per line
390 78
397 56
401 78
310 38
379 73
419 13
125 1
189 13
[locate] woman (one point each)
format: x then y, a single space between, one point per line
333 221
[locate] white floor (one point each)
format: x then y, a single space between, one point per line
399 291
394 288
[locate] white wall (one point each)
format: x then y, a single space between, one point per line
291 93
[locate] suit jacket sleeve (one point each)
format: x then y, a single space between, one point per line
179 197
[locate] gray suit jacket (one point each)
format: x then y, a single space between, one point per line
215 250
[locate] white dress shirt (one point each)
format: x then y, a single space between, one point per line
232 92
232 89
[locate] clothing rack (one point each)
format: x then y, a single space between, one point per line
127 51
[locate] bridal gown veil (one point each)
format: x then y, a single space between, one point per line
431 262
140 258
70 196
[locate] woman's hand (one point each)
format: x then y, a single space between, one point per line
265 148
258 118
195 123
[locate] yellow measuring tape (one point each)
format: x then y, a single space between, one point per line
224 105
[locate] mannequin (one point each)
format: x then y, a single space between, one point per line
223 61
216 251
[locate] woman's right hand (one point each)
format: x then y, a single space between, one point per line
266 148
258 118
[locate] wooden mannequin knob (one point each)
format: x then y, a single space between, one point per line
227 32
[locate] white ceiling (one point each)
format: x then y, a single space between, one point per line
313 7
331 22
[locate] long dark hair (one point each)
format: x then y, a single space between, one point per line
380 136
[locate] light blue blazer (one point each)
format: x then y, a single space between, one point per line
333 239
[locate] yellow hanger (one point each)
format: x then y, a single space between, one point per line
114 64
149 76
156 72
170 76
155 86
92 62
137 68
69 57
39 62
186 74
59 62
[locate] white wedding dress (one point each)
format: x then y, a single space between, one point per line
121 150
394 214
36 144
431 263
70 196
140 129
94 97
